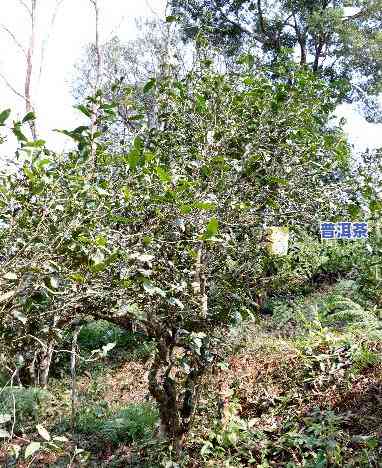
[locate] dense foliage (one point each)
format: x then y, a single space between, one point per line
339 40
168 238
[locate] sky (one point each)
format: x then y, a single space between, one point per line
73 30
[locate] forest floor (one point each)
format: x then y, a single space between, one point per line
299 388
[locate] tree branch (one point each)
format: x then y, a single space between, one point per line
261 17
14 39
46 40
238 25
301 41
26 7
356 15
11 87
94 113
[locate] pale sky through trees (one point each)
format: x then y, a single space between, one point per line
74 28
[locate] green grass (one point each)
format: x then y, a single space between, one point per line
133 423
124 425
30 404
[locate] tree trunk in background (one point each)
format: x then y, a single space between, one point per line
93 124
29 68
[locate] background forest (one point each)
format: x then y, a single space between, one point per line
146 320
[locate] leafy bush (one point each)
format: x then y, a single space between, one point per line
99 333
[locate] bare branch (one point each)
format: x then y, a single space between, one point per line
47 38
26 7
155 13
14 90
113 32
19 45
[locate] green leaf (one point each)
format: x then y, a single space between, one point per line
80 129
247 59
28 117
60 439
101 241
186 209
84 110
31 449
4 115
77 277
176 302
10 276
35 144
18 133
354 211
207 206
372 442
171 19
138 143
149 85
153 290
163 175
375 206
4 434
149 156
28 172
211 229
232 437
42 163
136 117
133 158
108 347
43 432
201 104
98 257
